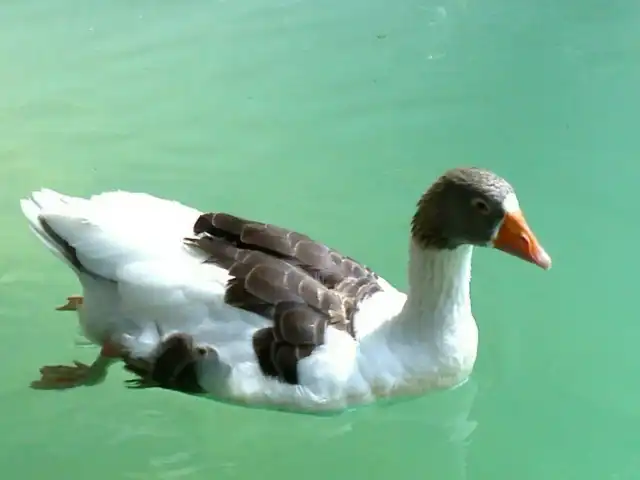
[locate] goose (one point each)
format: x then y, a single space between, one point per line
213 304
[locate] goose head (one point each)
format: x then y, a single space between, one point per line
474 206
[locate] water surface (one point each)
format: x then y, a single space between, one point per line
332 117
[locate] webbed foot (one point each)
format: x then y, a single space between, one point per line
62 377
172 365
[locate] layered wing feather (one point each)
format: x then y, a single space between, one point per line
302 285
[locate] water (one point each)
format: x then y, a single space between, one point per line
332 117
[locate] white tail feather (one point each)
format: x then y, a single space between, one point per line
111 229
31 211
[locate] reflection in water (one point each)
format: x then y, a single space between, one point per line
435 431
415 438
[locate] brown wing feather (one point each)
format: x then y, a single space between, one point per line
300 284
327 265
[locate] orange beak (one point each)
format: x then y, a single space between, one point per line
516 238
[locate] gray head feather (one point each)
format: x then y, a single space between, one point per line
464 206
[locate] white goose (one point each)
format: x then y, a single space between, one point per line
254 313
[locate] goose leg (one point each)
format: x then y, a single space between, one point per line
61 377
73 303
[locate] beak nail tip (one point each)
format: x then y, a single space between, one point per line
545 261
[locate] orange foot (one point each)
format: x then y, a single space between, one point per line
62 377
73 303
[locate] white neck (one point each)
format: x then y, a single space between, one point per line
431 340
438 298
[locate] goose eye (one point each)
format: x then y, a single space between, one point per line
202 351
480 205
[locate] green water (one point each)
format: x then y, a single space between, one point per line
331 117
